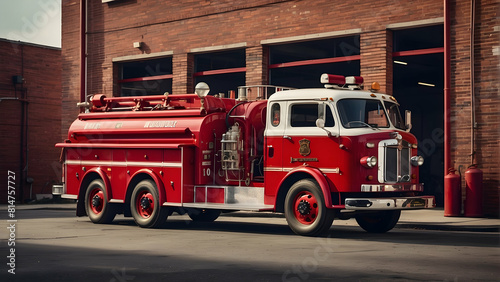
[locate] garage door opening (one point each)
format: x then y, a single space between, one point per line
223 71
418 77
300 65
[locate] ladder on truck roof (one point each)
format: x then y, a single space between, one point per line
100 103
259 92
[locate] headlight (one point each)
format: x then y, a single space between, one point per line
417 160
368 162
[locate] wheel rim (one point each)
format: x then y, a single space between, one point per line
305 208
96 200
145 204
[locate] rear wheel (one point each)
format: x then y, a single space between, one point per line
305 209
96 203
203 215
378 222
145 205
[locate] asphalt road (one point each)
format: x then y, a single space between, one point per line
54 245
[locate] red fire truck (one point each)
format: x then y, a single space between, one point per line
312 154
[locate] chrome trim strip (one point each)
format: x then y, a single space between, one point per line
400 203
116 201
278 169
170 204
68 196
330 170
287 169
234 195
391 187
122 164
229 206
153 164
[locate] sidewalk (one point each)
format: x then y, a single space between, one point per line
434 219
429 219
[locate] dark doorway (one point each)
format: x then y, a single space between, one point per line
301 64
223 71
419 87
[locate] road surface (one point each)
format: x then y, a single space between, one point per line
55 245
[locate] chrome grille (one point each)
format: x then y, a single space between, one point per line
396 165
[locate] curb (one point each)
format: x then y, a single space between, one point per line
466 228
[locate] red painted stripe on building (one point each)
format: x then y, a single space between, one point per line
315 62
418 52
146 78
221 71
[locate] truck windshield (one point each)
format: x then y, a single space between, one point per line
356 113
394 115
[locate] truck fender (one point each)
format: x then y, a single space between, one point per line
302 172
158 181
87 178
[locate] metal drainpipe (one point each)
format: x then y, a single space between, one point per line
24 130
472 95
447 86
83 51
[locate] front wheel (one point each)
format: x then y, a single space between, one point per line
96 203
378 222
305 209
145 205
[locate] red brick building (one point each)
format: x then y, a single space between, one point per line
152 47
30 117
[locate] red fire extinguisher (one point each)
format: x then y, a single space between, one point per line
452 194
474 192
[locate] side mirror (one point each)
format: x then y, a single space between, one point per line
320 123
408 120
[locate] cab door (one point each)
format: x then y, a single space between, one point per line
303 141
273 142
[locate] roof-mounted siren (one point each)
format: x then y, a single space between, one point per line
342 82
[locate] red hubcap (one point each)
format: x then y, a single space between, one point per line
145 204
305 208
96 201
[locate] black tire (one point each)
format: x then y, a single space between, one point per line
96 203
305 209
203 215
378 222
145 205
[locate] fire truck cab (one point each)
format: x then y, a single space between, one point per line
312 154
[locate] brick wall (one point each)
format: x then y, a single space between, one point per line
257 59
179 27
183 66
376 59
41 68
183 25
70 64
486 91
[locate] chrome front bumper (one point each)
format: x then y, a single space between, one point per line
397 203
57 189
392 187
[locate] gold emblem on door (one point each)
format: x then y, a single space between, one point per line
304 148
